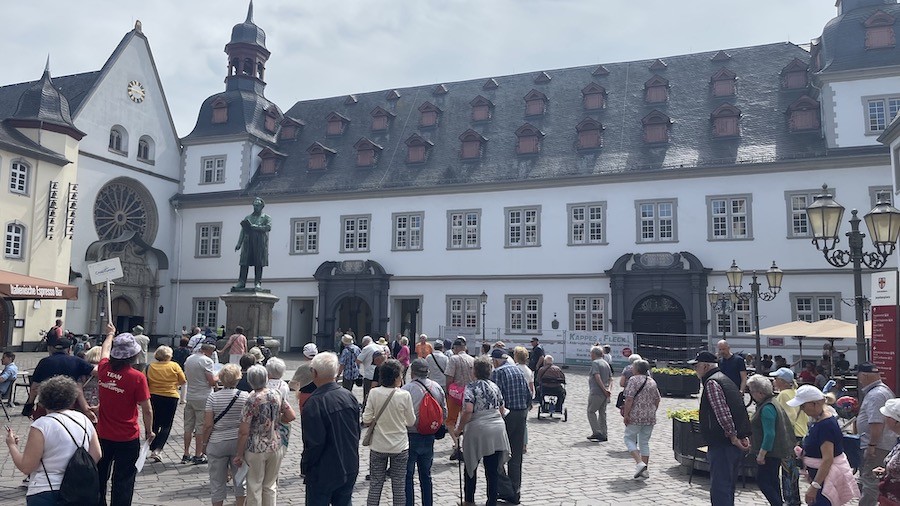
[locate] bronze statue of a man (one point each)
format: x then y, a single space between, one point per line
253 243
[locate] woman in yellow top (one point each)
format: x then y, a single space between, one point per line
164 377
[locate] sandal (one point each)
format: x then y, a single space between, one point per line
154 458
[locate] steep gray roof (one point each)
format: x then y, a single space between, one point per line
765 135
843 41
246 114
74 87
43 104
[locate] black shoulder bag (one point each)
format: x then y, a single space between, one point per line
620 400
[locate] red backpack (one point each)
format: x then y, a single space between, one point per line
431 415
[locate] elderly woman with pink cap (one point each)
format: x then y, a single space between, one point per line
303 377
830 476
889 488
122 390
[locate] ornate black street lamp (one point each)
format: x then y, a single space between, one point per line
883 221
722 304
773 278
483 299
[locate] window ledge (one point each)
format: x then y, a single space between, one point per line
728 239
657 242
407 250
148 161
204 183
523 246
207 256
471 248
303 252
579 244
118 151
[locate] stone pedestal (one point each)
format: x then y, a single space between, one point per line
251 310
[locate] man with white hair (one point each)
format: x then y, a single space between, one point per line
598 395
198 369
875 442
330 459
369 347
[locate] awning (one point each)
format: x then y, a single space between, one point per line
838 330
789 329
15 286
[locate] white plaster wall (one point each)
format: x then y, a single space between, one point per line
234 167
555 262
850 112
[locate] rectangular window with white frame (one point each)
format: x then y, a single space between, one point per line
213 169
355 233
464 229
209 240
812 307
729 217
737 321
881 194
523 314
523 226
305 234
14 241
880 111
407 231
657 220
797 201
206 312
463 312
587 223
587 313
19 174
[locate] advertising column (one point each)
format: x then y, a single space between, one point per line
885 340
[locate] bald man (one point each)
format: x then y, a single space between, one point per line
731 365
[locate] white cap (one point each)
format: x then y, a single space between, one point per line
806 393
891 408
310 350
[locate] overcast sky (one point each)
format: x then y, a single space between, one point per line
323 48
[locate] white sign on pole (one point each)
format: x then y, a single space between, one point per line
106 270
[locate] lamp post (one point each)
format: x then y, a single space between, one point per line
722 304
773 278
883 221
483 299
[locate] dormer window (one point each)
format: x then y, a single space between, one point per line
335 124
271 160
428 115
593 97
472 144
535 103
417 148
656 90
803 115
656 127
366 152
481 108
589 134
319 156
725 121
271 120
529 140
722 83
381 119
290 129
879 30
220 111
794 76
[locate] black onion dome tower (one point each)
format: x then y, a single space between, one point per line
43 106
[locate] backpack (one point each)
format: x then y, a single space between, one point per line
81 480
431 415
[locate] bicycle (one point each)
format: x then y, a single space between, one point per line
42 344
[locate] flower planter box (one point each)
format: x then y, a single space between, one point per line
683 444
677 385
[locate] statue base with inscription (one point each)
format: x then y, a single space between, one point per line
251 309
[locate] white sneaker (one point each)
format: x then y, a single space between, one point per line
639 469
645 473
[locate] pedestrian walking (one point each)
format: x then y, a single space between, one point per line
421 446
459 373
349 369
221 423
786 386
236 345
873 439
198 370
641 402
724 425
517 400
164 378
772 439
599 393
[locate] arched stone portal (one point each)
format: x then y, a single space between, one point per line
351 293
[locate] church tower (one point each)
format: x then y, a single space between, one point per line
247 56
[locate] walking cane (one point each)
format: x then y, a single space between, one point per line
459 467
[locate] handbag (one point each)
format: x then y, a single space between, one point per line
367 439
620 400
457 392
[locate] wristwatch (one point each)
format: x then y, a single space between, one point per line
816 485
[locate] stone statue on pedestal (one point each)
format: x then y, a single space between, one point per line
253 244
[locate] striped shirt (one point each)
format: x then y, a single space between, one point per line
227 427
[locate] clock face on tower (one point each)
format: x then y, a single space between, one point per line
136 92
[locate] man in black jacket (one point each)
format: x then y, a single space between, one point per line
330 423
725 427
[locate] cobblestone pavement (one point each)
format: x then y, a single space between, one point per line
561 466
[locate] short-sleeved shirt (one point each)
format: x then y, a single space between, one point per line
195 369
238 344
874 396
820 432
227 427
513 386
644 400
120 393
348 360
61 364
484 395
461 367
365 356
437 366
601 367
164 378
732 367
535 357
262 411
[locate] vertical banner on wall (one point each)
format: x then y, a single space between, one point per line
885 340
578 346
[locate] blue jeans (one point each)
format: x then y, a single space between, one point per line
341 496
48 498
723 471
768 481
421 453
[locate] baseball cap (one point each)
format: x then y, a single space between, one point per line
460 341
867 367
498 354
704 357
784 374
891 408
310 350
806 393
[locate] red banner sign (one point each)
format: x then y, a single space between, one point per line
885 343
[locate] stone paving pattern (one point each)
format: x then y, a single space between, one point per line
561 466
